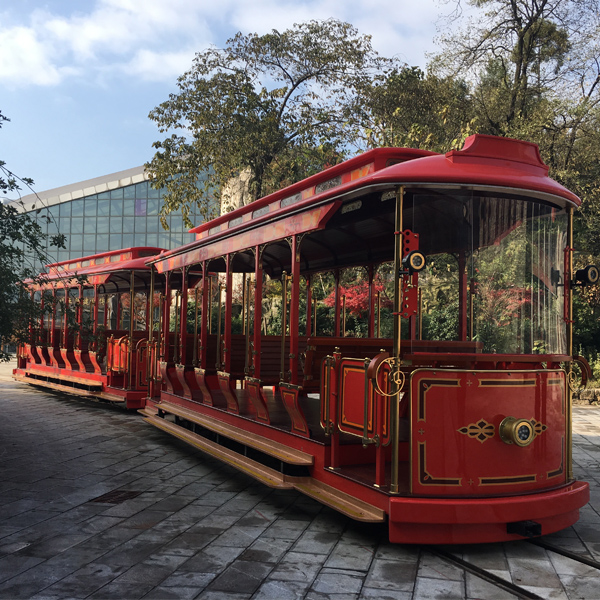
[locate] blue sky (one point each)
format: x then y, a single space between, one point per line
79 77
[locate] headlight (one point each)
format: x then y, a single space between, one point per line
516 431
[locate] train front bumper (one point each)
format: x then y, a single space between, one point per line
480 520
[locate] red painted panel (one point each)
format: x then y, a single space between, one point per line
456 449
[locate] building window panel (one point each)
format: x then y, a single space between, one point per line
128 224
116 241
102 243
102 226
141 189
76 243
116 208
129 206
91 207
103 208
76 225
140 207
77 208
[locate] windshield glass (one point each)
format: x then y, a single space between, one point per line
494 272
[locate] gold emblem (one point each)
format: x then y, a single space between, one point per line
481 431
538 427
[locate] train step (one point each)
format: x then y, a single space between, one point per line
264 474
326 494
276 450
338 500
61 383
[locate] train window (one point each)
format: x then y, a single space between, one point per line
494 272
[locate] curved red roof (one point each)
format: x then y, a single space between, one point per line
485 160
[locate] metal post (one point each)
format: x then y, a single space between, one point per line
568 291
283 323
395 412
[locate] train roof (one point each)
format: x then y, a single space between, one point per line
486 163
100 268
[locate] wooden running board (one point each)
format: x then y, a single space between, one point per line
348 505
60 387
325 494
264 474
279 451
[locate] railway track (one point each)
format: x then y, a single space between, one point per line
503 584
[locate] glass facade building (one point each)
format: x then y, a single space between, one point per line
107 213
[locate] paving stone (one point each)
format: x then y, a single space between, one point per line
296 566
281 590
166 593
478 588
316 542
332 582
389 574
379 594
241 577
350 556
527 571
427 588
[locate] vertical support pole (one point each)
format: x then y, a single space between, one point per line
420 328
64 336
371 273
196 307
131 328
246 329
295 310
166 319
472 292
258 287
244 303
52 319
395 400
378 314
462 296
337 328
309 306
183 324
210 297
284 280
176 328
77 341
205 316
150 371
228 314
344 315
218 364
569 300
95 317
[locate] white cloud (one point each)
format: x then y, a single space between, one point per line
156 39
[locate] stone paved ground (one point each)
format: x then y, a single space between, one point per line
199 529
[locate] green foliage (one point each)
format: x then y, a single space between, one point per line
276 104
407 108
22 243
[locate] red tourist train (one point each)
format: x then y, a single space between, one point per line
392 337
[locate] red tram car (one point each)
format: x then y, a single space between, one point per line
444 409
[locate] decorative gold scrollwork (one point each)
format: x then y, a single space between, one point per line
573 381
585 374
396 376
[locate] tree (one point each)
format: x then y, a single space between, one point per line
533 70
280 105
407 108
21 238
